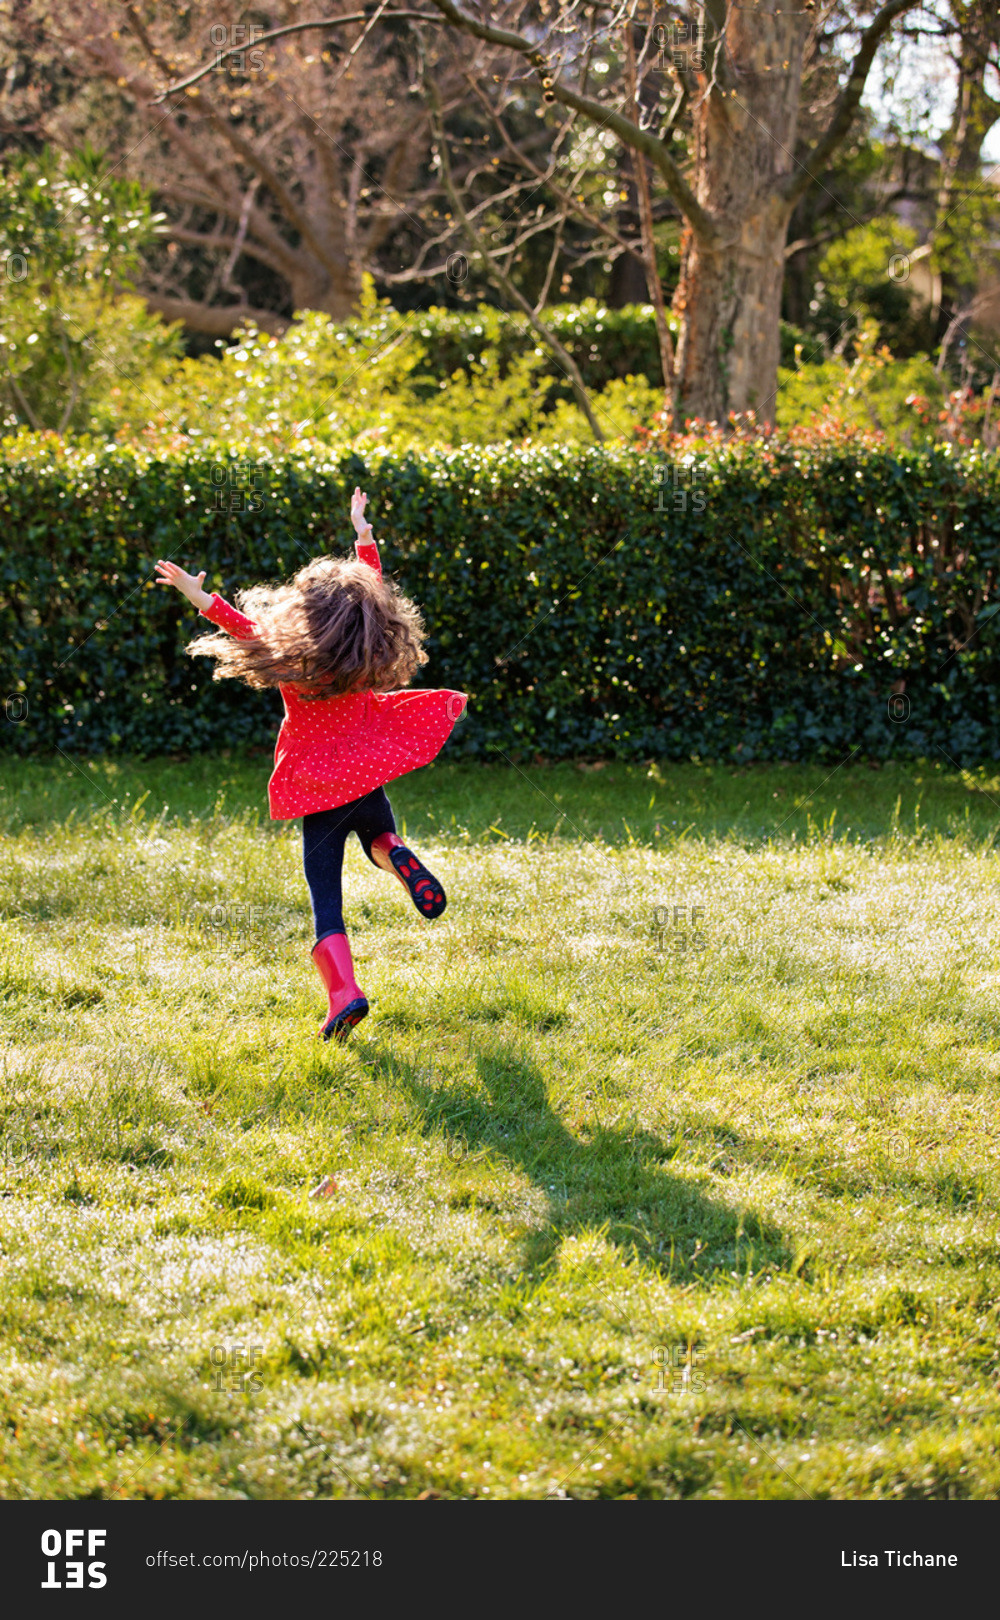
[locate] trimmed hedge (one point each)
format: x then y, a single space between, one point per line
751 602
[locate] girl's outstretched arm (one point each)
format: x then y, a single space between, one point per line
189 585
214 608
365 545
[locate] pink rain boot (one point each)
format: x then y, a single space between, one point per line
347 1004
427 894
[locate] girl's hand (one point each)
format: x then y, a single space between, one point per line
362 529
189 585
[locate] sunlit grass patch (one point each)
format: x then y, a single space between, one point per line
666 1163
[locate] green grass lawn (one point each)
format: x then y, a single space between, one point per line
666 1164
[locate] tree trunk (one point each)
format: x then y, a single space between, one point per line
627 284
729 301
963 195
729 295
335 292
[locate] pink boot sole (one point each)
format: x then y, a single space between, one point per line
424 890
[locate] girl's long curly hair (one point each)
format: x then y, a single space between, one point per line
335 627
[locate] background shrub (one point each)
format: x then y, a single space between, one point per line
438 377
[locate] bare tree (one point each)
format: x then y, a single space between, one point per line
304 162
737 72
285 157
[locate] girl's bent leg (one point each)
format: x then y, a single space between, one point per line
375 826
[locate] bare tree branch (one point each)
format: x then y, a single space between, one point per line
548 337
215 320
550 269
847 223
648 242
799 181
296 28
561 193
627 130
241 234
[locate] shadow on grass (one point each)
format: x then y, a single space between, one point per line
612 1179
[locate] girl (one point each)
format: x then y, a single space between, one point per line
337 643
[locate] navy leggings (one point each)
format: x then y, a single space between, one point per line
324 834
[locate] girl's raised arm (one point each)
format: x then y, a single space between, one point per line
214 608
365 545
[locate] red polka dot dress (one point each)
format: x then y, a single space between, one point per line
333 750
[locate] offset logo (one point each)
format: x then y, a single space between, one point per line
66 1566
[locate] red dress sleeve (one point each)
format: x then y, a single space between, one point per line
367 551
228 618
